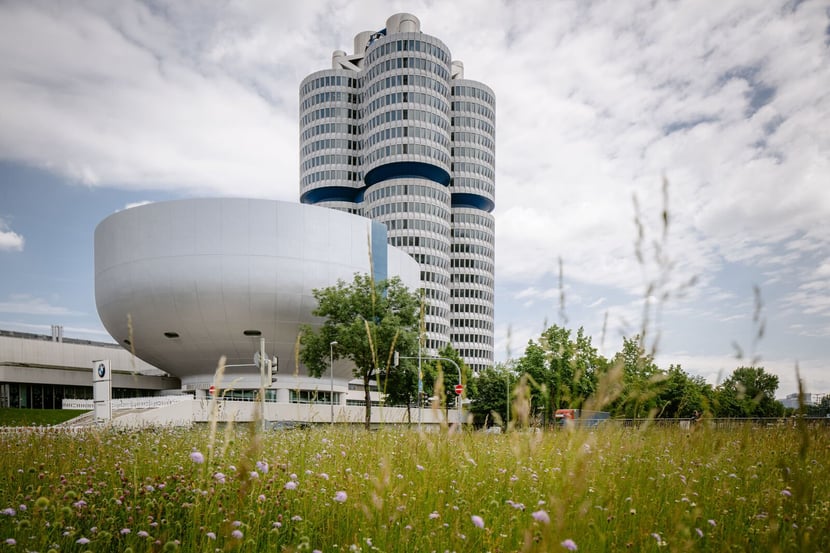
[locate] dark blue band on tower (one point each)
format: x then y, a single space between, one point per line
407 169
332 194
473 201
380 262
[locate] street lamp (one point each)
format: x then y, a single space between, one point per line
331 378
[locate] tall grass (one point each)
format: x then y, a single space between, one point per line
341 489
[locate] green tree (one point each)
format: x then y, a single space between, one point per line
749 392
368 320
449 374
641 378
492 393
681 394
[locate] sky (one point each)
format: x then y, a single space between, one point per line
609 114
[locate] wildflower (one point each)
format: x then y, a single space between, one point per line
477 521
699 532
786 493
8 512
712 522
219 477
142 534
569 544
541 516
211 535
290 485
262 466
197 457
125 531
433 515
236 534
340 497
254 475
11 541
292 476
324 476
419 467
277 525
261 498
296 518
82 541
236 523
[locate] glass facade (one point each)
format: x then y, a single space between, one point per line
395 133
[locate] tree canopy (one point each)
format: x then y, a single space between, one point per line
369 320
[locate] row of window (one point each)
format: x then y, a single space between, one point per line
468 278
472 308
330 144
471 293
407 132
473 123
418 98
475 353
476 249
406 80
421 64
326 113
467 263
332 175
437 294
471 339
405 207
473 138
473 92
330 96
419 242
330 128
380 191
330 159
377 154
483 324
473 153
473 107
411 45
475 168
468 183
440 262
475 234
439 121
474 219
329 80
417 224
437 278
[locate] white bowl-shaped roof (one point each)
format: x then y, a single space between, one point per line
181 282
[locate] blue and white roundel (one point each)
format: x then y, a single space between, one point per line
102 370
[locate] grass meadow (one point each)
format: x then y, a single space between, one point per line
344 489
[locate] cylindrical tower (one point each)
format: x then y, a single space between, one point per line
396 133
330 139
406 158
473 226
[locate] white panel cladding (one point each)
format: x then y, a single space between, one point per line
205 297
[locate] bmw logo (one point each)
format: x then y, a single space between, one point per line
102 370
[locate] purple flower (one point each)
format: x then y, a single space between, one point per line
82 541
262 466
125 531
433 515
197 457
290 485
419 467
236 534
541 516
142 534
8 512
786 493
211 535
11 541
477 521
236 523
712 522
261 498
569 544
340 497
699 532
219 477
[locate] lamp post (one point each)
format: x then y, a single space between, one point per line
331 378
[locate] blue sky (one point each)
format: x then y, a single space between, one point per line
108 105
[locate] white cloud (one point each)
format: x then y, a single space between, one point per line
10 240
24 304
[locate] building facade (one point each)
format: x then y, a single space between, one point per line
394 132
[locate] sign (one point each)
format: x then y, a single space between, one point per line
102 390
212 390
458 389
